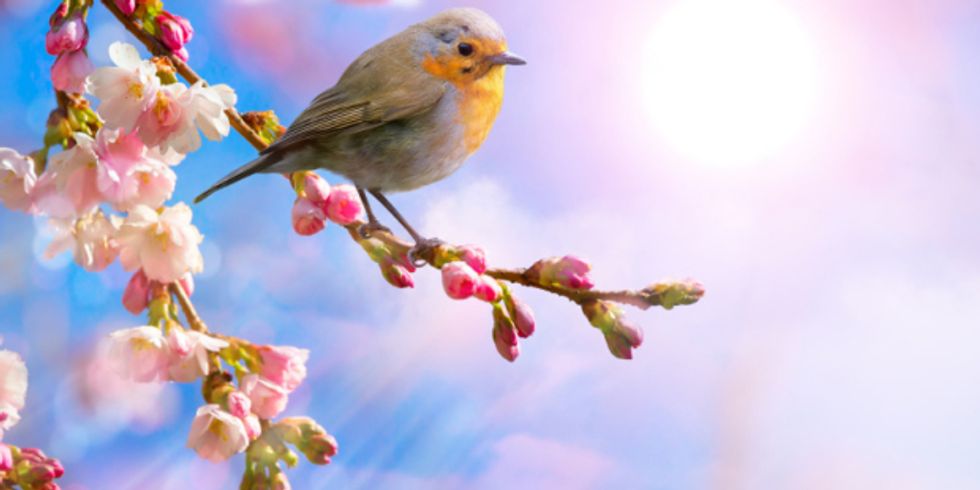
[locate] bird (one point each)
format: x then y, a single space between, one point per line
406 113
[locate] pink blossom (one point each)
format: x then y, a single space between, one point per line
397 273
164 245
17 180
127 175
505 335
488 289
136 295
284 365
217 435
13 389
459 280
6 458
67 36
125 90
188 353
69 71
175 31
239 404
344 204
176 112
91 238
474 257
140 354
127 7
268 399
308 218
69 186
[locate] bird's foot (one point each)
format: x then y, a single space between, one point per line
367 229
421 246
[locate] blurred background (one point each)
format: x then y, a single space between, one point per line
813 163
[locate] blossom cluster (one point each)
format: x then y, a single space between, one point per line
28 468
317 202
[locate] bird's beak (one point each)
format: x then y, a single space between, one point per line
507 58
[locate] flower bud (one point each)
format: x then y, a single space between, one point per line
69 71
253 427
344 205
308 218
505 335
459 280
319 448
136 296
315 188
66 36
238 404
488 289
127 7
568 271
669 294
474 256
522 315
175 31
620 334
396 273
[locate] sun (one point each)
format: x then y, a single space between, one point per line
729 82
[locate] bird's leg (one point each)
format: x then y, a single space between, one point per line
373 224
420 241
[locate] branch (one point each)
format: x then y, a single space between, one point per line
193 319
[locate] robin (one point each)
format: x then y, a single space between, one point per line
407 113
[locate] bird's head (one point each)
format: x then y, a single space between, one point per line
462 45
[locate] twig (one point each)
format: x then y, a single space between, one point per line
193 319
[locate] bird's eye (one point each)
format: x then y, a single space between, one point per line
465 49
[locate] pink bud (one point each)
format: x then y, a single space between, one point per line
136 296
252 426
505 335
316 188
6 458
308 218
618 345
488 289
396 273
187 284
126 6
523 317
459 280
344 204
59 13
572 272
66 36
69 71
473 255
239 405
175 31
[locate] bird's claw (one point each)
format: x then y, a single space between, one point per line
414 253
367 229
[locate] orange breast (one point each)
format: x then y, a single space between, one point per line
479 104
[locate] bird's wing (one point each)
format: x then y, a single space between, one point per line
376 89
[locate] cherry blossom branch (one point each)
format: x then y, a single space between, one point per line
158 49
194 320
464 270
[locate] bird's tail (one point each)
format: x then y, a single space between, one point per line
262 163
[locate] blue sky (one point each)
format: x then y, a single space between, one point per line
834 349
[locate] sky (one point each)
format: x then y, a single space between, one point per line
813 163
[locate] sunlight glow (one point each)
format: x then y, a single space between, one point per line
729 82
